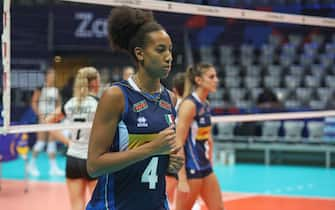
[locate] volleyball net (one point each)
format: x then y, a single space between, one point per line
264 49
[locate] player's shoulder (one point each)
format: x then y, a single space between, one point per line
70 102
93 98
112 99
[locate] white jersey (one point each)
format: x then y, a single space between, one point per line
78 146
48 100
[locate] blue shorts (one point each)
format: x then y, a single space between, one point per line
194 174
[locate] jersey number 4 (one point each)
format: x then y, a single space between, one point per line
150 173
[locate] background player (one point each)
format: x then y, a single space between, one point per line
80 108
194 132
178 83
45 101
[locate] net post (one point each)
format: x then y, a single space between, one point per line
6 65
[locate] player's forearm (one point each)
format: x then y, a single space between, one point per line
211 147
34 106
182 172
110 162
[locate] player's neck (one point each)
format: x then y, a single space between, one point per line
92 93
202 94
48 85
147 84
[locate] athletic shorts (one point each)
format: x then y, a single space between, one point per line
194 174
76 168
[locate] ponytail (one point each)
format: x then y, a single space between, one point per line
81 84
191 73
188 85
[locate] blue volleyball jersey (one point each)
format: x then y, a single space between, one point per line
196 145
141 185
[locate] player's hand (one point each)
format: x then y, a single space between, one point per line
42 120
165 142
183 186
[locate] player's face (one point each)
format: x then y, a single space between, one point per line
209 80
95 84
157 54
127 73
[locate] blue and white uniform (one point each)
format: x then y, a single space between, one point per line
196 147
140 185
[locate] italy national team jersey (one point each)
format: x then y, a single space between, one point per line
196 146
141 185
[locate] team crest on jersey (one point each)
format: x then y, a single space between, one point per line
140 106
169 118
165 105
142 122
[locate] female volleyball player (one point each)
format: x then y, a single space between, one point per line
194 132
178 89
80 108
45 101
133 130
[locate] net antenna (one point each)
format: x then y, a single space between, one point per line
5 37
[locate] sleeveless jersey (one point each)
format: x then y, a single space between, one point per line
48 100
78 146
196 146
178 104
140 185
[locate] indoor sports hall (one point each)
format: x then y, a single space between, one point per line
273 114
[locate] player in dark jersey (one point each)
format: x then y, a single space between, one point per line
178 89
132 144
194 132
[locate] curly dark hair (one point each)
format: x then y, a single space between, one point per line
128 27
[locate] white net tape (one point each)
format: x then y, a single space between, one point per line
174 7
216 11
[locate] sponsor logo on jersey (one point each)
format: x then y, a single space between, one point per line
165 105
201 111
142 122
140 106
202 120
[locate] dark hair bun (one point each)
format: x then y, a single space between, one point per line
123 24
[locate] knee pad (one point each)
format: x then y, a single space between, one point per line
39 146
52 147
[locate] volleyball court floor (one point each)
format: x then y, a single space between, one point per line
244 187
